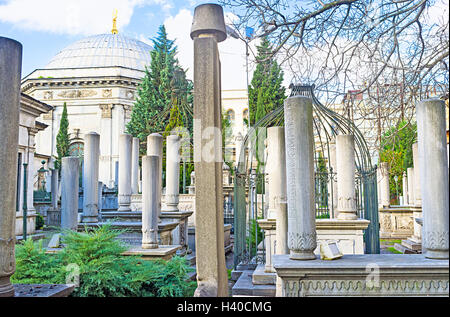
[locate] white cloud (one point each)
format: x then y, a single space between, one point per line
232 51
73 17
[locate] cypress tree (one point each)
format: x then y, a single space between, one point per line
164 82
266 86
62 139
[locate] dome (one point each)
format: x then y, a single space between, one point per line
104 50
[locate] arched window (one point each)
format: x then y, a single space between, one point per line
76 149
230 115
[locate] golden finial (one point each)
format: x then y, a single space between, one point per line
114 29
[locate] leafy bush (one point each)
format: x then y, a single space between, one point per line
103 270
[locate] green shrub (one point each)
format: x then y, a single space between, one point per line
39 221
103 270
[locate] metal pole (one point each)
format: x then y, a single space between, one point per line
25 184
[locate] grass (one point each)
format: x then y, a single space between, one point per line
392 250
390 242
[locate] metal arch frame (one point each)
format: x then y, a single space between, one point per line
327 124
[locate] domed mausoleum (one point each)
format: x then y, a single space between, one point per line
97 77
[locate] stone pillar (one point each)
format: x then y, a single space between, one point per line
135 167
384 184
298 117
90 177
332 184
10 72
208 29
150 201
410 171
100 196
125 141
345 170
172 173
70 174
417 174
432 157
155 148
277 182
405 188
54 189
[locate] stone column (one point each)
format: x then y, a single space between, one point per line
417 175
135 167
432 154
384 184
90 177
100 196
172 173
410 171
298 117
70 174
405 188
155 148
10 72
150 201
332 184
54 189
345 170
125 141
277 182
208 29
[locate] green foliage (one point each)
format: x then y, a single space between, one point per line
39 221
227 133
255 235
33 266
62 139
266 92
396 149
163 86
103 270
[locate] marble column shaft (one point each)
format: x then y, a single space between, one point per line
70 173
277 182
155 148
345 165
150 201
172 173
125 144
90 177
417 174
208 29
298 117
54 188
10 73
433 169
410 171
135 167
405 188
332 184
384 184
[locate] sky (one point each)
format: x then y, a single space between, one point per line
45 27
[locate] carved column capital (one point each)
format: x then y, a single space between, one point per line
106 110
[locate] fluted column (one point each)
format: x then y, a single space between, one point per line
433 169
135 167
150 201
70 174
155 148
90 177
172 173
298 117
125 144
10 72
345 165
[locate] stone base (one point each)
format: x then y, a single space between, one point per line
364 275
412 245
397 222
245 287
43 290
163 252
261 277
227 238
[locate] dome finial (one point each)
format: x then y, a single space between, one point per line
114 29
